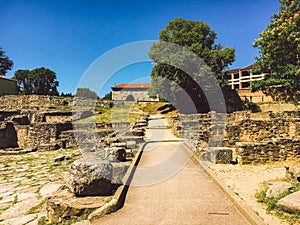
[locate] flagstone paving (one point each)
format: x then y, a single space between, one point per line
27 180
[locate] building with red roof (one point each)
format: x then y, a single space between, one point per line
132 92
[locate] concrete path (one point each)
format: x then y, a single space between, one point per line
170 188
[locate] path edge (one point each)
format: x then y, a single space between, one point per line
244 209
117 201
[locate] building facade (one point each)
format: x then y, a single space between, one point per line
132 92
8 86
239 79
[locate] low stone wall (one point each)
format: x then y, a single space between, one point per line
25 101
281 150
33 100
220 130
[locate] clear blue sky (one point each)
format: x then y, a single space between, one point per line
68 36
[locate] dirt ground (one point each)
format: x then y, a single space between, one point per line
247 180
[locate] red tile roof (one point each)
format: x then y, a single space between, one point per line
131 86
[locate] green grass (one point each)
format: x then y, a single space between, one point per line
272 208
15 199
119 113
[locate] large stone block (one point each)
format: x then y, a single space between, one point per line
293 171
290 203
91 179
115 154
63 206
277 189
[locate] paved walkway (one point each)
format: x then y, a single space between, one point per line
170 188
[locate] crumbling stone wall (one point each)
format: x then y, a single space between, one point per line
15 101
253 139
279 150
33 100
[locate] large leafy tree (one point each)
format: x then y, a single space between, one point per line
279 46
5 63
39 81
195 37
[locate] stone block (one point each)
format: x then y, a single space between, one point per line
290 203
293 172
220 155
91 179
131 144
115 154
277 189
63 206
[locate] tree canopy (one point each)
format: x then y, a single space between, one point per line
279 59
86 93
195 37
39 81
108 96
5 63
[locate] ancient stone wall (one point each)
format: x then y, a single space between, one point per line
238 129
280 150
33 100
16 101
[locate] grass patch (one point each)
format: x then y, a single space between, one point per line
272 208
15 199
38 208
29 176
121 112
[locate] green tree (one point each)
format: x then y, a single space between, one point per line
39 81
86 93
44 81
108 96
279 46
24 82
5 63
66 94
197 37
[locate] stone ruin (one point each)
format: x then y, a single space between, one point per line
39 123
42 123
102 168
242 137
99 172
35 128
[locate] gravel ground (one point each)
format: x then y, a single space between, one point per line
247 180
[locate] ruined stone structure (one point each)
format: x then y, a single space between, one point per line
275 138
46 123
29 101
33 128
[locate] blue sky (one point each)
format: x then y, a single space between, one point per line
68 36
